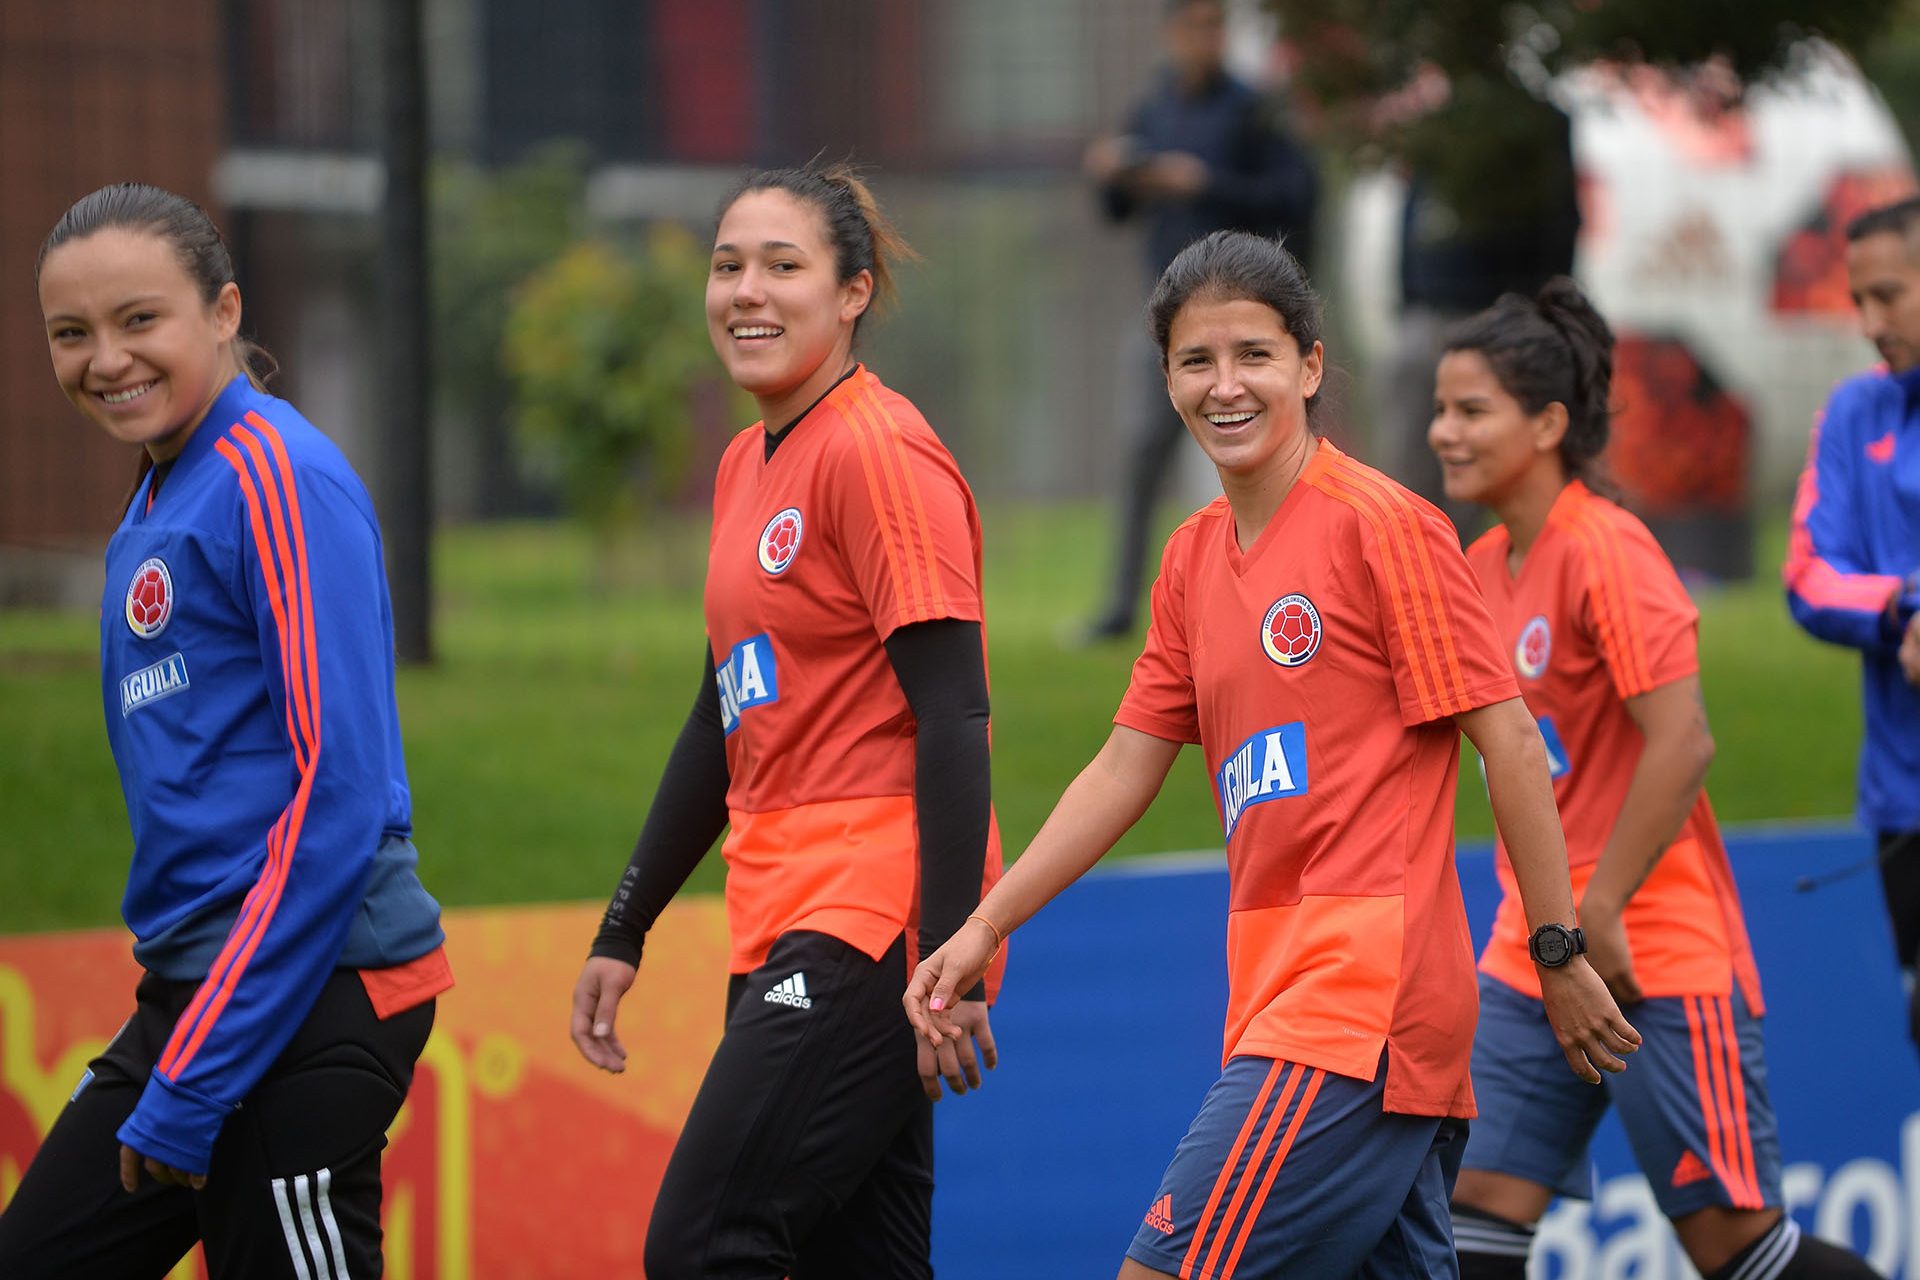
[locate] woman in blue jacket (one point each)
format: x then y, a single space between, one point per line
291 956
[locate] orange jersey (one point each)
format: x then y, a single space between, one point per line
1318 671
1595 616
858 525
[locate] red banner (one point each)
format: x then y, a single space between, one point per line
512 1157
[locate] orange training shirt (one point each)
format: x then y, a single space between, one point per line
858 525
1318 671
1595 616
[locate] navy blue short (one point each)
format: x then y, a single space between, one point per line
1294 1171
1693 1101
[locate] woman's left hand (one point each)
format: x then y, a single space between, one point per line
955 1061
164 1174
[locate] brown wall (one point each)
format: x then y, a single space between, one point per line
91 92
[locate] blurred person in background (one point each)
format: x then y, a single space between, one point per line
840 737
291 956
1317 631
1852 571
1496 213
1202 152
1603 644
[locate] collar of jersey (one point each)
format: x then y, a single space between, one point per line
229 407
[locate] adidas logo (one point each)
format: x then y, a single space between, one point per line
792 991
1690 1170
1160 1217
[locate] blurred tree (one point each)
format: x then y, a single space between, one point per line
490 230
1893 65
605 349
1452 87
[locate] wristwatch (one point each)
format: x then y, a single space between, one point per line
1552 945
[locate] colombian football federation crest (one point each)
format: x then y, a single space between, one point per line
1291 632
780 541
1535 646
150 599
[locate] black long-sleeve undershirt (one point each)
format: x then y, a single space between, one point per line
942 671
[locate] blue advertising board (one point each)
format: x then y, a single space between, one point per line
1109 1031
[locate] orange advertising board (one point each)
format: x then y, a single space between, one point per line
512 1159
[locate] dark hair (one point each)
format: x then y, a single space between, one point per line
136 206
1234 266
862 236
1551 348
1898 217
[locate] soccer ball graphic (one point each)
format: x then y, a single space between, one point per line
780 540
149 599
1292 631
1536 643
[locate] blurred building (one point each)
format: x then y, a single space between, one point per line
972 113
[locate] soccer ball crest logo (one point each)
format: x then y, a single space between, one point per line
150 599
1291 632
1535 646
780 541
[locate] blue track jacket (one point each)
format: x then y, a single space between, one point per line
1850 571
246 646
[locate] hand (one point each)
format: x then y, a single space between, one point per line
164 1174
1609 952
955 1060
1586 1022
1107 157
937 984
596 1002
1172 175
1910 651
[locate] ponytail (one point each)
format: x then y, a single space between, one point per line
1552 348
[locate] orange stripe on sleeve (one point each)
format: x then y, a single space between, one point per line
930 558
1246 1180
868 468
1401 506
300 677
292 491
263 549
1611 599
1226 1172
290 572
1426 678
898 518
1273 1171
1632 627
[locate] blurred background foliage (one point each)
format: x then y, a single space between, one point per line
1456 90
602 355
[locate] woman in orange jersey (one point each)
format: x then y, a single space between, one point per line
840 736
1317 632
1602 639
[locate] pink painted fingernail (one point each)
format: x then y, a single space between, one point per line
938 1004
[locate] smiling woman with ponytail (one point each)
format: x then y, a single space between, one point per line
1602 638
839 738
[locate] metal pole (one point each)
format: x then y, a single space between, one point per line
406 487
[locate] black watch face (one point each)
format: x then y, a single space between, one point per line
1552 947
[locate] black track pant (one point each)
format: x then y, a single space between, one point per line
293 1189
809 1150
1900 879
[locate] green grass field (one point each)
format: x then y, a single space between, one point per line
535 741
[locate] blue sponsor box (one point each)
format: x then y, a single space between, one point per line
1110 1030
